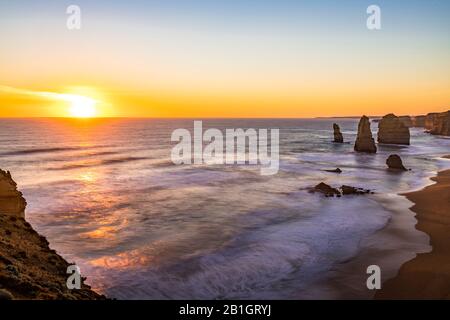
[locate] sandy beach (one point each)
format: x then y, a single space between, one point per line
427 276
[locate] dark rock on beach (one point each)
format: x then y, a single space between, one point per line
327 190
344 190
347 190
395 162
337 170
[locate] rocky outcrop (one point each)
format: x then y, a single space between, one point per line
441 124
337 134
337 170
429 120
347 190
29 269
406 120
12 201
364 140
418 121
394 162
326 189
391 130
344 190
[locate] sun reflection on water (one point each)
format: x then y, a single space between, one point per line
130 259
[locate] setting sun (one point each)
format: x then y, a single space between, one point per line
82 107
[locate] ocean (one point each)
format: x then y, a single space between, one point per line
107 197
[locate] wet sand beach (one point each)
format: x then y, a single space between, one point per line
427 276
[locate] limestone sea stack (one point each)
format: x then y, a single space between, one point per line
395 162
29 269
364 140
337 134
392 130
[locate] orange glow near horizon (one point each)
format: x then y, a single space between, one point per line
93 102
73 102
107 101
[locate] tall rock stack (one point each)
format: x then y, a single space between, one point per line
391 130
11 200
337 134
364 141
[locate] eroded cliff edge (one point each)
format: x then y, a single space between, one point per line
29 269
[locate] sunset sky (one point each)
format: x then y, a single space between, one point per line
224 58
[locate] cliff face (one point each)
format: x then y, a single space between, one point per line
11 201
406 120
364 141
29 269
429 120
418 121
391 130
439 123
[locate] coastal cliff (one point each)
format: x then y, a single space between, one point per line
29 269
418 121
441 124
438 123
11 200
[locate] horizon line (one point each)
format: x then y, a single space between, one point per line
145 117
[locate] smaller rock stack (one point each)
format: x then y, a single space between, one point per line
395 162
391 130
338 138
364 140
